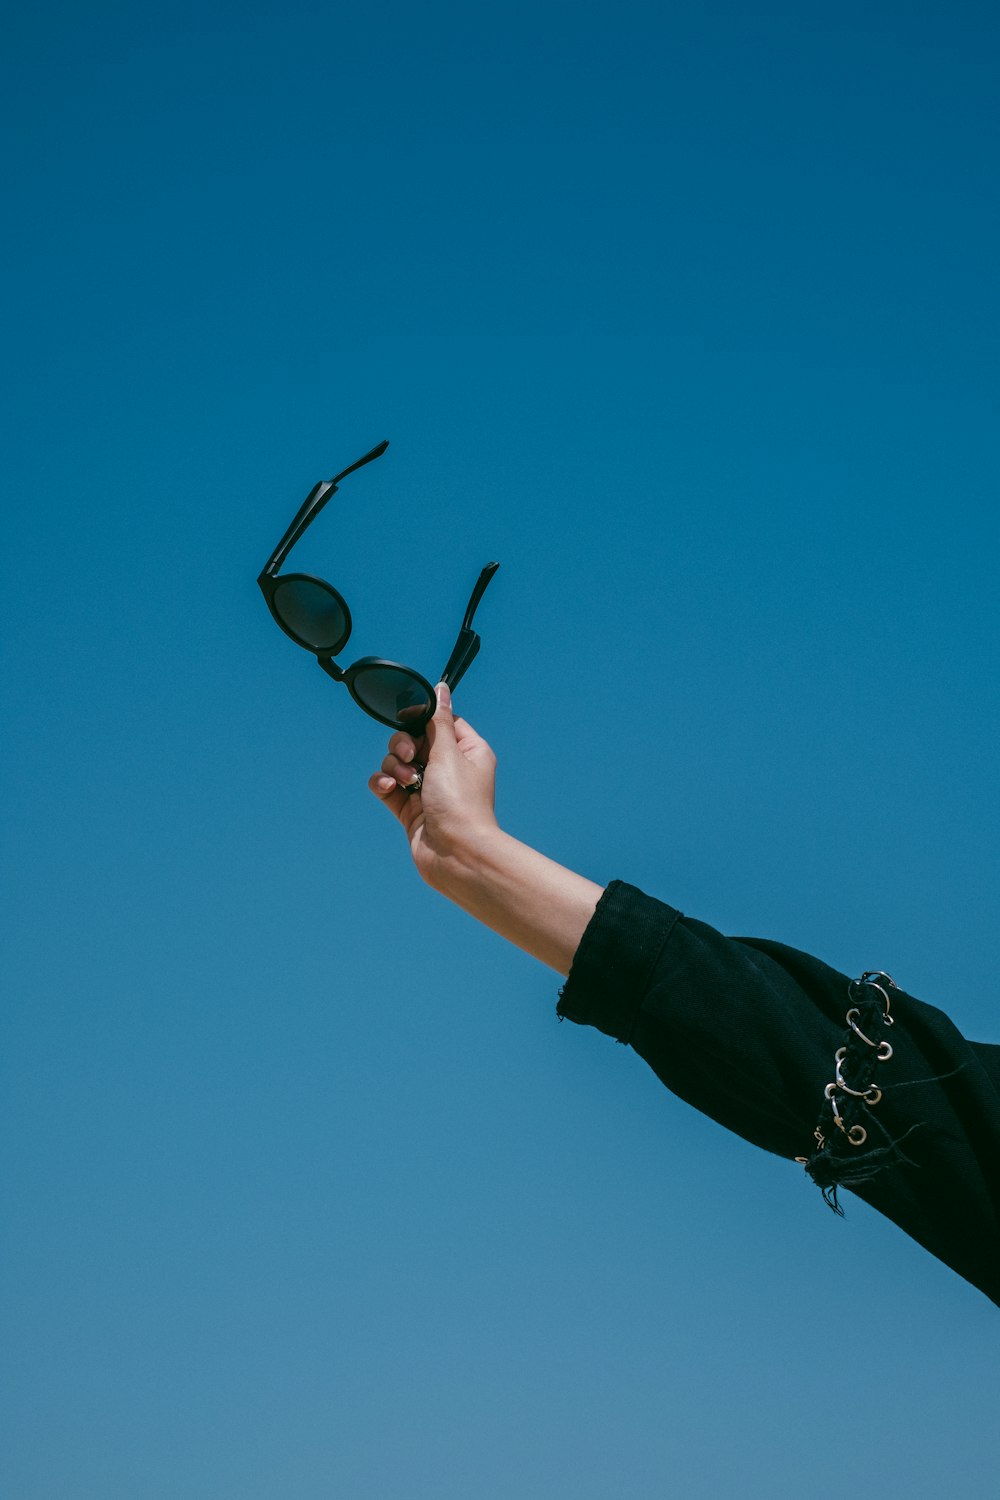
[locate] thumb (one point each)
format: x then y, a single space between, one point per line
440 731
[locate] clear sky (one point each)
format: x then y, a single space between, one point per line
689 316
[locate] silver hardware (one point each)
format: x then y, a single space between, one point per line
870 979
857 1134
414 786
884 1050
872 1095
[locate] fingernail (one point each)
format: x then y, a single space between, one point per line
443 695
386 783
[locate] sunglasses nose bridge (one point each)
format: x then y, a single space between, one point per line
330 668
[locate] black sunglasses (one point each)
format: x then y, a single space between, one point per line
314 615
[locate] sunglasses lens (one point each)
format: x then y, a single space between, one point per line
394 696
313 614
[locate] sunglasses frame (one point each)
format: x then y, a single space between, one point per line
466 646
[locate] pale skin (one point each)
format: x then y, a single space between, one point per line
460 850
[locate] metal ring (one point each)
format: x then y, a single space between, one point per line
883 1048
870 980
845 1088
871 974
838 1118
887 1019
410 787
856 1028
857 1135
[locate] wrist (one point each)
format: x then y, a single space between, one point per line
467 862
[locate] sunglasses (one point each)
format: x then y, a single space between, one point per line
313 615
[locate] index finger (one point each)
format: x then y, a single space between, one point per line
404 746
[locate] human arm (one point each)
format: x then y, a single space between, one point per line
460 850
748 1031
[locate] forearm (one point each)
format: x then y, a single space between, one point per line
521 894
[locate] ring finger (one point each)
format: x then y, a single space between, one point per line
405 773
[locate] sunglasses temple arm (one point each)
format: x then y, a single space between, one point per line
307 513
310 509
467 645
477 593
461 659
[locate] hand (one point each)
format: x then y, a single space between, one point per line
452 813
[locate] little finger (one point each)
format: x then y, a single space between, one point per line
383 786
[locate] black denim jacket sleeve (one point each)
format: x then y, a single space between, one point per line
748 1032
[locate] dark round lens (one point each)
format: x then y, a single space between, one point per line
312 612
394 695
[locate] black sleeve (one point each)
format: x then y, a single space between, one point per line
753 1033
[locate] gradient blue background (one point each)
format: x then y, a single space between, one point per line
689 315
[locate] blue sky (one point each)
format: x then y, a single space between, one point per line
690 318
